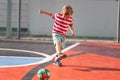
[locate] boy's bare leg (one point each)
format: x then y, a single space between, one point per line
58 47
58 50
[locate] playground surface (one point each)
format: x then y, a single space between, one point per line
20 60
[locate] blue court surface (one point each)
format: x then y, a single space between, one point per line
17 61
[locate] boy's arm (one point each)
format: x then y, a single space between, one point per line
45 12
72 31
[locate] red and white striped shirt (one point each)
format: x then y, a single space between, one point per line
61 25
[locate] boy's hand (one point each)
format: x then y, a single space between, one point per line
73 35
45 12
41 11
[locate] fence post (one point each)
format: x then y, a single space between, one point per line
9 13
19 21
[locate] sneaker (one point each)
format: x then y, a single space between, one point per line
57 63
61 56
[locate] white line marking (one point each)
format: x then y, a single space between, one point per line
68 48
51 57
21 57
48 57
18 50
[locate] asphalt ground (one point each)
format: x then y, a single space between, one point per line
41 46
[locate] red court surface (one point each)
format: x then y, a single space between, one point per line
86 61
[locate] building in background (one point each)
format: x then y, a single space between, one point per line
92 18
9 17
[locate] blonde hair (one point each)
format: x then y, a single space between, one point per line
67 9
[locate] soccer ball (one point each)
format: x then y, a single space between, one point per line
43 74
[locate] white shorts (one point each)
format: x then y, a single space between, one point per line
57 38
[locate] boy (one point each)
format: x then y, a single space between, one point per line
62 21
